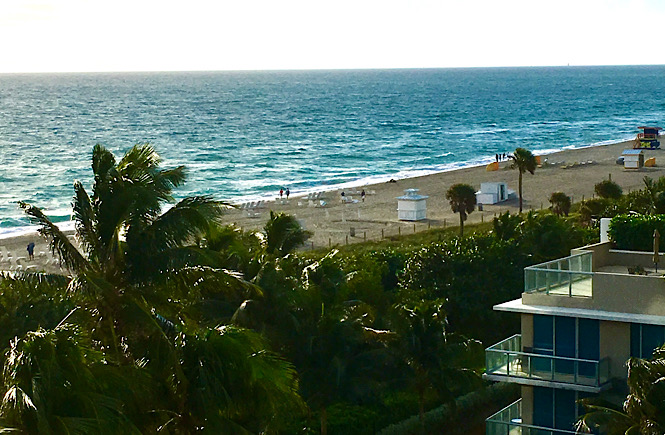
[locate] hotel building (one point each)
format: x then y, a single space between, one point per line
582 318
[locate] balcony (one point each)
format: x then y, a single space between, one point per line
569 276
508 421
598 278
507 362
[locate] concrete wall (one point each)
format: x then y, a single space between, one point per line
604 255
527 330
600 256
527 404
633 258
615 345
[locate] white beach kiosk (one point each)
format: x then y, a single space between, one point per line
412 206
633 159
491 193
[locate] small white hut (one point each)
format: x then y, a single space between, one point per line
633 159
412 206
491 193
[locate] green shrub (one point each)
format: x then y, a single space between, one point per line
635 232
346 418
472 274
594 208
608 189
469 412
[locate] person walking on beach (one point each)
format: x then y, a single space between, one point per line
362 195
31 250
288 192
496 156
281 193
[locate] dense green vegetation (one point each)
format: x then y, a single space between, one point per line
650 200
174 323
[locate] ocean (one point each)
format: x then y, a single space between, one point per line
244 135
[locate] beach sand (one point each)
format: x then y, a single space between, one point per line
377 215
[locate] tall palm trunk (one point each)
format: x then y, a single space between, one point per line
461 225
520 189
421 409
324 420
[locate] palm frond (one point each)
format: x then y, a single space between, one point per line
103 161
84 218
232 378
208 281
284 234
183 223
59 244
140 165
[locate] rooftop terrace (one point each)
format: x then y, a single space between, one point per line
597 277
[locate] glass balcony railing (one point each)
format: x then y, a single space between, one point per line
569 276
507 358
508 421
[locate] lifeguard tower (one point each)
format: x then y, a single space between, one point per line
412 206
648 139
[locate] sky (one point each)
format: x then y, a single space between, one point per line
190 35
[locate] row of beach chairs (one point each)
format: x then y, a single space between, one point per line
252 208
315 196
359 192
8 258
251 205
577 165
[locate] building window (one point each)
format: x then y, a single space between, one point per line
644 339
566 336
555 408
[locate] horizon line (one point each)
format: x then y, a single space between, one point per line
319 69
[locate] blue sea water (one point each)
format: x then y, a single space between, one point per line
246 134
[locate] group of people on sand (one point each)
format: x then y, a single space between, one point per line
287 192
362 195
501 157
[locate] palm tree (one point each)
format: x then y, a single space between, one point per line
128 245
643 410
29 301
55 382
523 161
462 199
140 272
561 203
284 234
325 335
439 361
